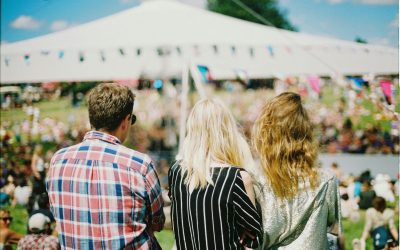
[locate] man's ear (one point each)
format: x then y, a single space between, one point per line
126 122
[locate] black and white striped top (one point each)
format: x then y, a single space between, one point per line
216 216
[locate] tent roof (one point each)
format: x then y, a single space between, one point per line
168 24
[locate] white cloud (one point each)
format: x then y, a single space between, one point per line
26 23
335 1
127 1
59 25
377 2
370 2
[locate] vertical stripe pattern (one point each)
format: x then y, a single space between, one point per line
214 217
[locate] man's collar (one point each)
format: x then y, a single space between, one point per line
93 135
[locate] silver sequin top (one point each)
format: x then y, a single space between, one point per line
301 223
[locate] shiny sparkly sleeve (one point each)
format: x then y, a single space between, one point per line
334 212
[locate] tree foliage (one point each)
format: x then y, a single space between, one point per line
360 40
268 9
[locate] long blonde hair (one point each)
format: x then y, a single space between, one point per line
212 136
283 138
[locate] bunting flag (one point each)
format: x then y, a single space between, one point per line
27 59
215 48
157 84
45 52
61 54
102 56
81 57
160 52
356 83
205 73
315 83
233 50
271 51
251 51
386 86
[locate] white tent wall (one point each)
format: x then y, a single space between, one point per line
167 25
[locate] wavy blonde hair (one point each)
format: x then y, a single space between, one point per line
212 136
283 138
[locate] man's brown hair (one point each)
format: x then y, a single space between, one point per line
109 104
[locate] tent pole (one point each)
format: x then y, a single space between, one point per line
183 110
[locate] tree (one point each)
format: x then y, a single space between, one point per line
268 9
360 40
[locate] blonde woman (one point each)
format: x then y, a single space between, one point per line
299 201
213 205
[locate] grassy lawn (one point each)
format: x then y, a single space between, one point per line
60 109
55 109
20 222
352 230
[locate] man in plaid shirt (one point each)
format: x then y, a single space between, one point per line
102 194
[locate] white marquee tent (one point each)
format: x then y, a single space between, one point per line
160 38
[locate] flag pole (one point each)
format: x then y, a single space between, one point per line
183 108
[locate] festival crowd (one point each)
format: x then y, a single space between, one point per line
27 149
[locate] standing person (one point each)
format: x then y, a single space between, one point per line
40 235
213 205
38 177
299 201
37 166
379 223
104 195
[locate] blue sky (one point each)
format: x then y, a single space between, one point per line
374 20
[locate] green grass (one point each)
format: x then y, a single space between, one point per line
352 230
20 222
166 239
330 97
55 109
60 109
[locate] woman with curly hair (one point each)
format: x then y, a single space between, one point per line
300 202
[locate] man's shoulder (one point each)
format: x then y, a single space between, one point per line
136 158
122 155
59 154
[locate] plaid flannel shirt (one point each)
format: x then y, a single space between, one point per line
38 242
104 195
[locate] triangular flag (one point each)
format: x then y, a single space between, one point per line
386 86
205 73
